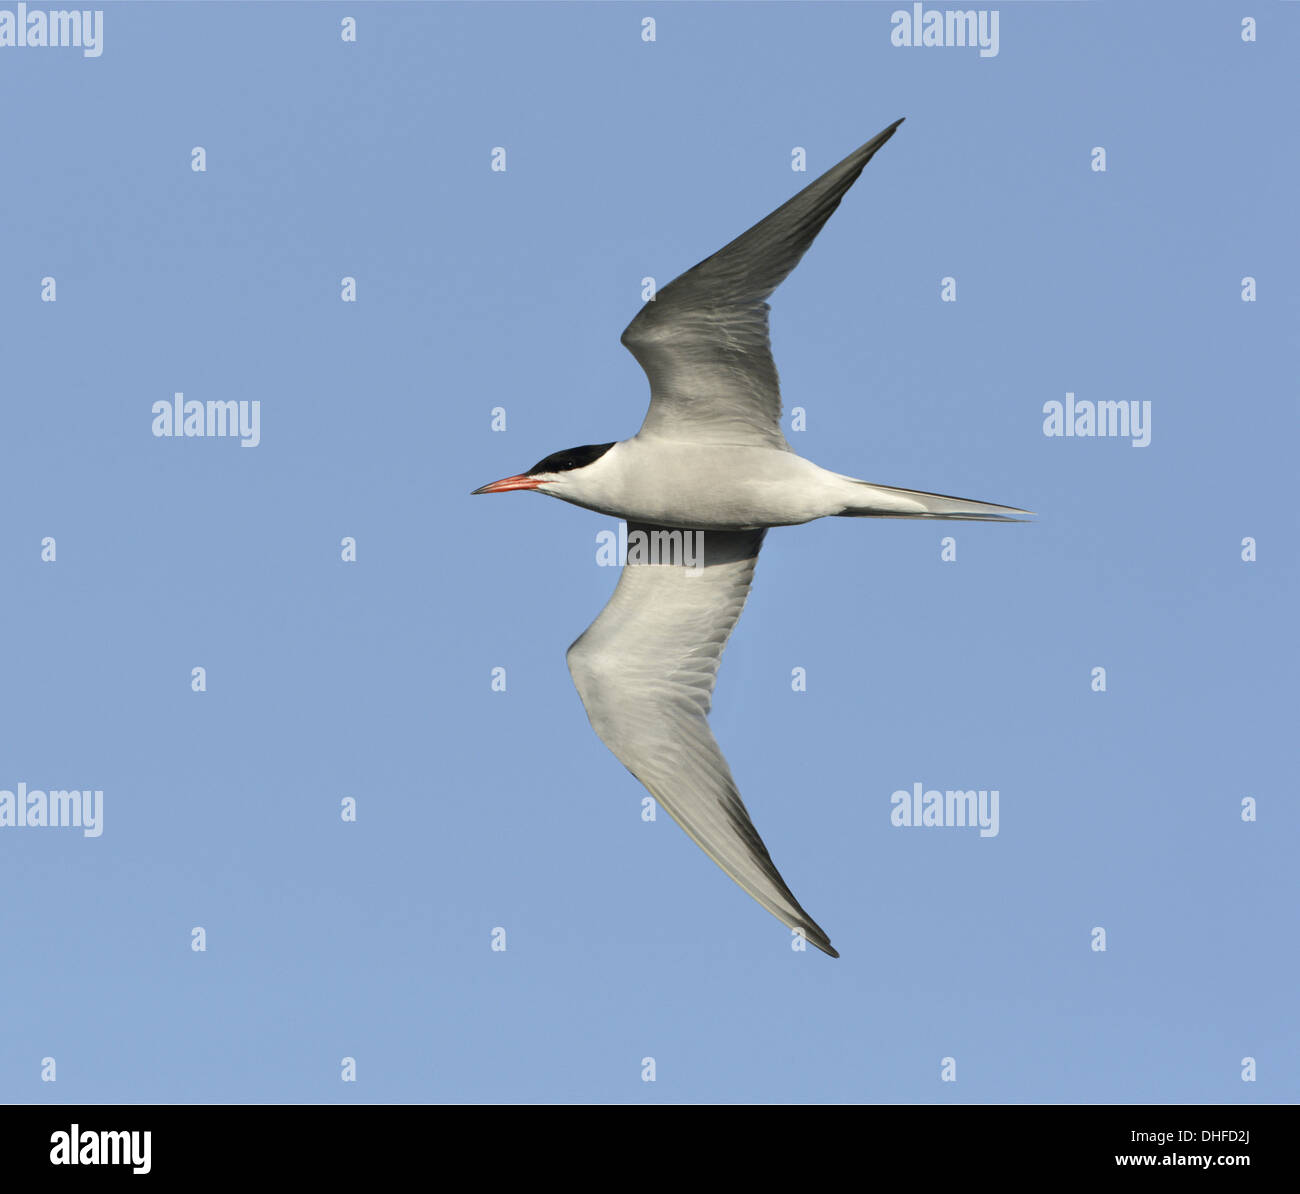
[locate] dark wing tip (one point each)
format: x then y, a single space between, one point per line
824 944
814 933
880 138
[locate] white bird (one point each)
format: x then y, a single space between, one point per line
710 457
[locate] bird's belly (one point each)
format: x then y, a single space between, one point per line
735 509
716 487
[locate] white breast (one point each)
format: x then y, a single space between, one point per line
710 486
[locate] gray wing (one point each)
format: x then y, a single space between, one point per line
703 341
645 669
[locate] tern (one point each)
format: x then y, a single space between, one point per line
709 458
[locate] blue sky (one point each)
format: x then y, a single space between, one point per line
371 679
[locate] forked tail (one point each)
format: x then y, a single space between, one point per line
865 500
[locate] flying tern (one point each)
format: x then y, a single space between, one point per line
710 457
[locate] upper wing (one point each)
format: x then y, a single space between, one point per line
645 669
703 340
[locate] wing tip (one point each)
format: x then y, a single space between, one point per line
858 159
881 137
817 936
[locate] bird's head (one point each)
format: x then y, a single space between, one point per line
552 475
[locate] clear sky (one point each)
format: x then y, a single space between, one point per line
477 809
